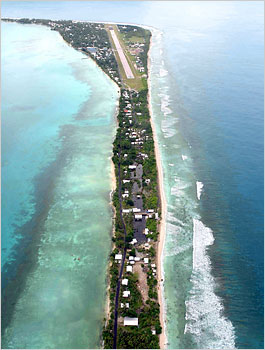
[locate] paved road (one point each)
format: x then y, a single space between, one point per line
124 61
122 263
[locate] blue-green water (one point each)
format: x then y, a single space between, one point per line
57 133
207 97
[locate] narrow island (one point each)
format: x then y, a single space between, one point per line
134 317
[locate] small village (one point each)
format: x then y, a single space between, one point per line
136 227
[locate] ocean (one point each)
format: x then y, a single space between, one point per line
207 98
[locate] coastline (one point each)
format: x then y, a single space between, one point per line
162 224
113 188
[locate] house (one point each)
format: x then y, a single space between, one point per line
122 305
131 257
133 241
153 331
150 210
127 305
125 181
126 210
137 259
132 166
124 282
118 256
146 260
130 321
146 231
128 268
138 217
136 210
126 294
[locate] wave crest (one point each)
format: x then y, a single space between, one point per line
204 310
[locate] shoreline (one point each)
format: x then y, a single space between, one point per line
113 188
162 224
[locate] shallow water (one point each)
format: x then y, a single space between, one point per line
57 172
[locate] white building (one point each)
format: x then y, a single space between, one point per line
136 210
118 256
129 268
138 217
126 294
146 260
130 321
124 282
133 241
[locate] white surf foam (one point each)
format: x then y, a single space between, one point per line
204 310
184 157
165 105
179 188
199 186
163 72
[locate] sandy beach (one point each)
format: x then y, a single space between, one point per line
162 226
113 188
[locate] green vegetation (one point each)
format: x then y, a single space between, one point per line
126 153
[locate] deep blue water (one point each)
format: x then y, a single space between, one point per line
214 53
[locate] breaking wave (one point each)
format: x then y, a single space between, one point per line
199 187
205 321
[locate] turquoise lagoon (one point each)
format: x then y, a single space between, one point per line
58 124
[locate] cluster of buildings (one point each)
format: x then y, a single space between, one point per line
135 49
89 38
133 190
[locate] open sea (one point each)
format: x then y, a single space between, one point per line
57 128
